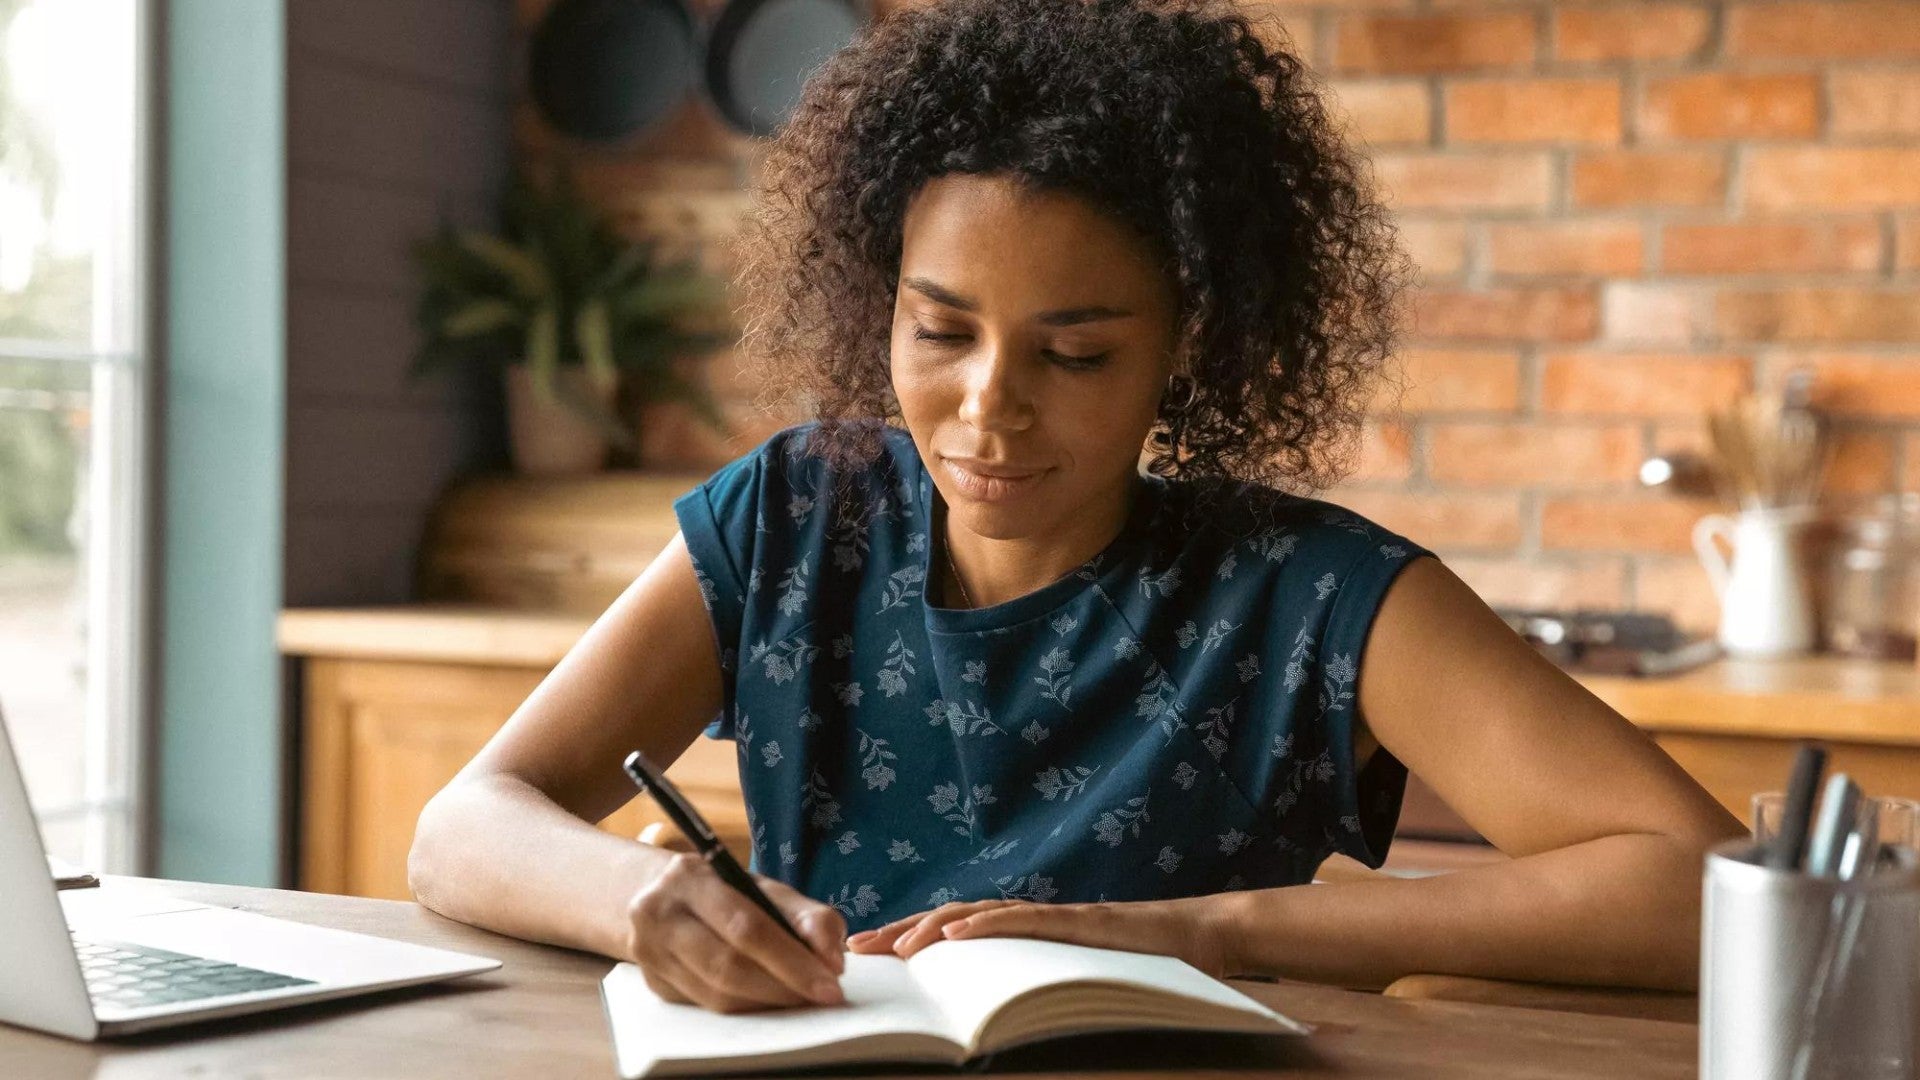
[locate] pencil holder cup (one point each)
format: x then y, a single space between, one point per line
1808 978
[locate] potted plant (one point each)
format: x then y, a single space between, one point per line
563 305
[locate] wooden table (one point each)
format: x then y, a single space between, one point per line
540 1015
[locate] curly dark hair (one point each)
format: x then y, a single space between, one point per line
1175 116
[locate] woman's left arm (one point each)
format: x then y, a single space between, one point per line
1607 834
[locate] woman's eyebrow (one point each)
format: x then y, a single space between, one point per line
940 294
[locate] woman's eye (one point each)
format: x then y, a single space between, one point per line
1077 363
1066 360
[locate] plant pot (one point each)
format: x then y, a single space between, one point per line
546 437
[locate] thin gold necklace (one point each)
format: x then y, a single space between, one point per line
947 550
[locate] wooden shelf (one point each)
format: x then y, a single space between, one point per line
1819 697
449 633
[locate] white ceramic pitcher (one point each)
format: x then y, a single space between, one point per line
1765 609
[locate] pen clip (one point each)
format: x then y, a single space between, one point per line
648 778
1861 855
1839 810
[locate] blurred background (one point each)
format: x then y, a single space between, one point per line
351 352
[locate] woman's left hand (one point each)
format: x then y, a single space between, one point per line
1191 929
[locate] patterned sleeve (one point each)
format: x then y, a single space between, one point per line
721 521
1365 802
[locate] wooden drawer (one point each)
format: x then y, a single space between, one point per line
1732 768
381 737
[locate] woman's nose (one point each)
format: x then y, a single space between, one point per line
996 397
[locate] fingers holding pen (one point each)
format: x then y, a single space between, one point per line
821 924
756 950
698 937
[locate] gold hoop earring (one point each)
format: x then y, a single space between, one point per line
1186 402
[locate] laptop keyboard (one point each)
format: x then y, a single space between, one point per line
135 976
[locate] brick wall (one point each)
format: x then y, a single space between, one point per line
1623 212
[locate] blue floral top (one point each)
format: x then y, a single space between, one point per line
1173 718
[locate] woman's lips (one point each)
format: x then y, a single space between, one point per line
986 483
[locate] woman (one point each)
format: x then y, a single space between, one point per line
987 676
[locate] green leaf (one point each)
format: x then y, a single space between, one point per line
593 333
672 293
480 317
543 351
520 267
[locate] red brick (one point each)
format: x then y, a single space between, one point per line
1871 103
1819 28
1818 315
1508 314
1765 247
1676 436
1386 453
1679 589
1641 384
1637 523
1458 380
1438 248
1382 112
1524 455
1565 247
1511 181
1534 110
1283 25
1906 245
1654 313
1478 41
1832 177
1557 583
1636 32
1456 519
1721 105
1879 387
1862 463
1618 178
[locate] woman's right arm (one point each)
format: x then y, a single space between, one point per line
508 844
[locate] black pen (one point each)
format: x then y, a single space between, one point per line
1790 844
688 820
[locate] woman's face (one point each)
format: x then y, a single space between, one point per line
1032 340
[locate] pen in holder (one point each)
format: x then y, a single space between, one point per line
1804 977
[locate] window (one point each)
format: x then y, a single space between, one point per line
73 394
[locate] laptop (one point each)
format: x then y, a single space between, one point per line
114 960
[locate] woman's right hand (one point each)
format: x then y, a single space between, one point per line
700 942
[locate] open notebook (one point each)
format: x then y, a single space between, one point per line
952 1001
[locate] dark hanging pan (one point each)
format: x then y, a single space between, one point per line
604 69
760 52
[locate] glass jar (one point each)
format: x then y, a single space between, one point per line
1873 580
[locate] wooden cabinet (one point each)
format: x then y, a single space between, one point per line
1733 767
1734 724
380 734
